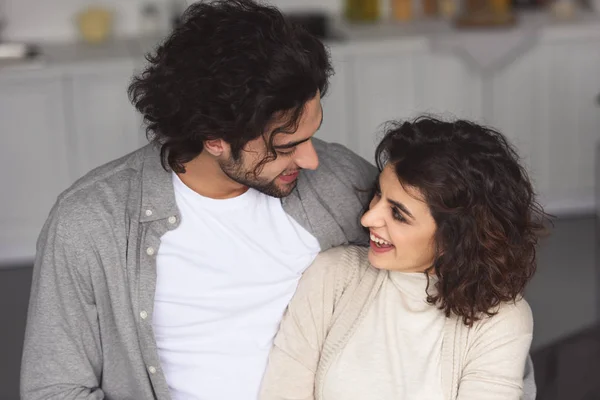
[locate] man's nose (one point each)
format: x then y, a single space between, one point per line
306 156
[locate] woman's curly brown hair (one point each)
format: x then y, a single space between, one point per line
480 196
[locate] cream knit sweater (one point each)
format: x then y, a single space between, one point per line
483 362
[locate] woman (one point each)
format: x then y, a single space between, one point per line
433 309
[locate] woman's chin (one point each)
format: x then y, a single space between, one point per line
376 260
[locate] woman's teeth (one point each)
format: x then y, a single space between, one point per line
379 242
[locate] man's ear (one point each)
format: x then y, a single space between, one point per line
217 147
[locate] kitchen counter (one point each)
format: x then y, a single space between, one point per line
586 23
354 38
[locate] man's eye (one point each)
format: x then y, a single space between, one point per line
286 153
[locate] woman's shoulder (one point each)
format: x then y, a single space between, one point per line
340 267
513 317
351 255
343 261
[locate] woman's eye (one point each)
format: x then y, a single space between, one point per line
398 215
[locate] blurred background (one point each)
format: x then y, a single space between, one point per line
530 68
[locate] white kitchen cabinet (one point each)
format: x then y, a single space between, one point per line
519 109
336 104
407 84
546 102
34 163
385 88
71 114
574 123
449 87
105 125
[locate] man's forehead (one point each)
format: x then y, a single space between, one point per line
289 131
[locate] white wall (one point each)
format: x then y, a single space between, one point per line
54 20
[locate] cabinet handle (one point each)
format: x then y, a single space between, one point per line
598 99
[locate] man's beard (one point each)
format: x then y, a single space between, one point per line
236 172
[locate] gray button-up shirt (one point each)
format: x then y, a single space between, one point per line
89 330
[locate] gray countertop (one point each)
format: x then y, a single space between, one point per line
355 39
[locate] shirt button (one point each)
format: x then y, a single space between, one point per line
144 314
151 369
148 213
172 220
150 251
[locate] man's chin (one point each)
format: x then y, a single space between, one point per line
286 189
275 189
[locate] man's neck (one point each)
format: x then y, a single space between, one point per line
204 176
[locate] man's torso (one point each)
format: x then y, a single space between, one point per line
117 217
224 279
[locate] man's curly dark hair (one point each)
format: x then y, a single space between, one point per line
226 72
483 203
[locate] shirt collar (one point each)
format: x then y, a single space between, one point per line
158 195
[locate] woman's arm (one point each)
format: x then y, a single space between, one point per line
496 356
295 355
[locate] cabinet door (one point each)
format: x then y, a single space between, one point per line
33 160
573 123
385 88
336 103
450 88
547 103
519 109
105 124
409 83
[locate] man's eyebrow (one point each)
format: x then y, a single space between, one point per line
291 144
294 144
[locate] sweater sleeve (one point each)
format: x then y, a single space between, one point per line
297 348
496 357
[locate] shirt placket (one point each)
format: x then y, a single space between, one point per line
151 232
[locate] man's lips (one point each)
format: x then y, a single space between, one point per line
288 178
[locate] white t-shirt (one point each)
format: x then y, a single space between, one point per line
224 279
401 328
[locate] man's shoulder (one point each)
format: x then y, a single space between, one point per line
335 154
337 163
330 199
111 178
105 189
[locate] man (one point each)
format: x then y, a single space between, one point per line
165 274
